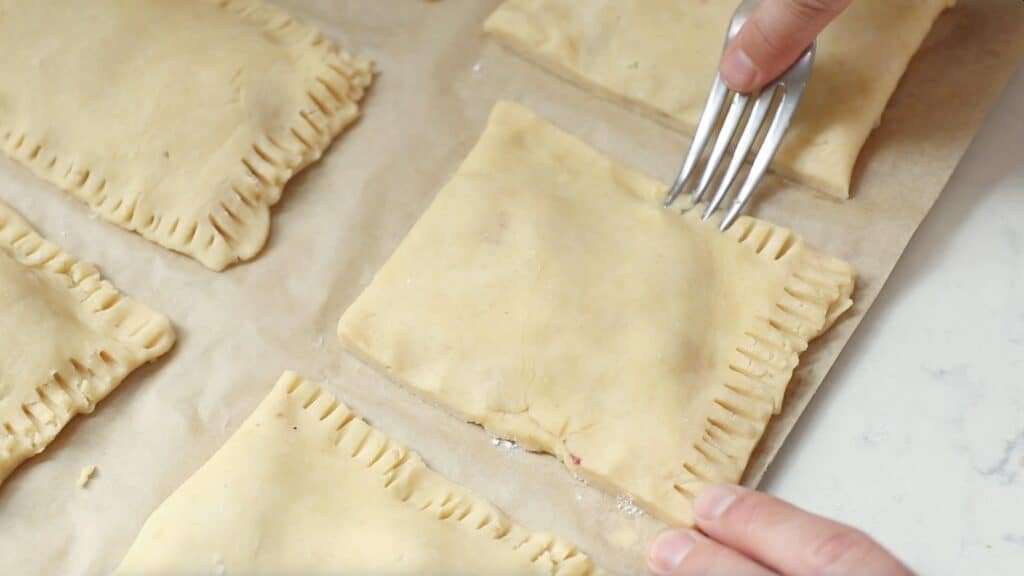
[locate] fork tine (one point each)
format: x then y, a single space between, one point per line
772 141
754 124
708 119
728 130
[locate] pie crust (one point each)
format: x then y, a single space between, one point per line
661 56
67 339
305 486
181 121
547 295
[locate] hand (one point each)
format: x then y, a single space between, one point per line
774 37
746 532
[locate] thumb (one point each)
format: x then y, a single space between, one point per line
773 38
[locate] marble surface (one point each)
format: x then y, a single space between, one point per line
918 434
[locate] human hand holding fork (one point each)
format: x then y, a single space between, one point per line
770 49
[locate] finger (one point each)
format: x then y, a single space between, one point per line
787 539
685 552
773 38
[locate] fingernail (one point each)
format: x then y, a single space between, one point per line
739 71
713 502
668 551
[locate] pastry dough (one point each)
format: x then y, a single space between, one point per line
179 120
662 55
67 339
548 296
306 487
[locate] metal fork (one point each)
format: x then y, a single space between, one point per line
791 85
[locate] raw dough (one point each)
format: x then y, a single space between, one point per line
179 120
662 56
67 339
548 296
86 475
306 487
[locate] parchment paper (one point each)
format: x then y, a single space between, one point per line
341 219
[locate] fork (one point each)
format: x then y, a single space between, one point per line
791 84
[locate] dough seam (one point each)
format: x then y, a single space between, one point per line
405 476
236 226
816 293
79 382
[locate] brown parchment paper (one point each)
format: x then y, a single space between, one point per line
341 219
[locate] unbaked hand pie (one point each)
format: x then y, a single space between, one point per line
67 339
661 55
181 120
548 296
307 487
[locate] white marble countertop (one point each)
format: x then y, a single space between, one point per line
917 436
